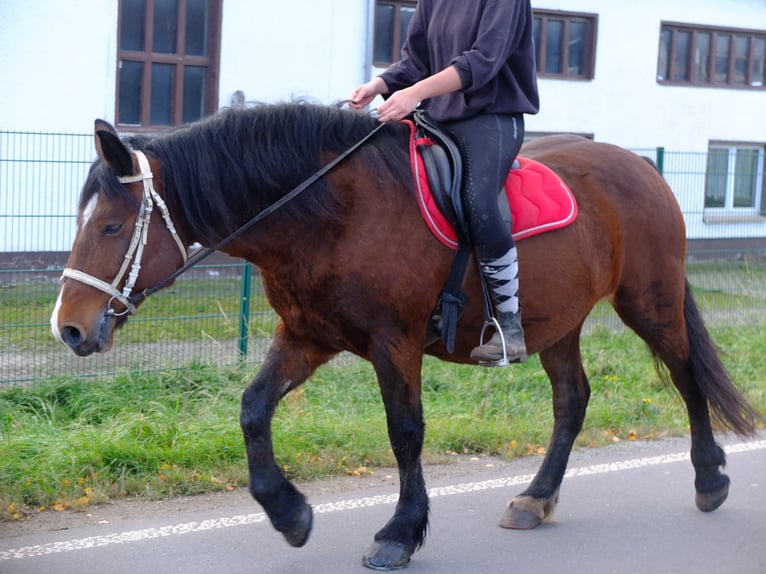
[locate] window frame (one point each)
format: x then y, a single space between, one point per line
591 38
397 41
759 197
178 59
716 34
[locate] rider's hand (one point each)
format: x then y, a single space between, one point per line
365 93
399 105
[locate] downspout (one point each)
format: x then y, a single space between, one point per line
367 75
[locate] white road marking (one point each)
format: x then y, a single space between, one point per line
344 505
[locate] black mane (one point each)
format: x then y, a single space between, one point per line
221 171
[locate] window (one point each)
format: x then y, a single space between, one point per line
565 44
735 177
391 21
704 56
167 61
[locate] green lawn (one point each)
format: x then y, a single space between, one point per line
70 443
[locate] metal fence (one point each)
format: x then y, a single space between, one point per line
218 313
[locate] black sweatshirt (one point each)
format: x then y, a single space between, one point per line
489 42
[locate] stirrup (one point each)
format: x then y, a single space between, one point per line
492 322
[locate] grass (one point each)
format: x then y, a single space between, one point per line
70 443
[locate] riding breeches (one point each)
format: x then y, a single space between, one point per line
489 144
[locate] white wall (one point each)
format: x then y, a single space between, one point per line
292 49
59 66
58 63
625 105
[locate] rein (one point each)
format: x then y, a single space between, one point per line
140 235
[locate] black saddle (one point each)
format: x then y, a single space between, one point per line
444 171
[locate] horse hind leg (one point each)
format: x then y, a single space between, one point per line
677 337
571 392
287 365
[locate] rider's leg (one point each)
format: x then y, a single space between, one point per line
489 144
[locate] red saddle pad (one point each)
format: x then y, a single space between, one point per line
538 198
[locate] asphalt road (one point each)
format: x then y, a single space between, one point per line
624 509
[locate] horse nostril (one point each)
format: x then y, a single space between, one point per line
71 336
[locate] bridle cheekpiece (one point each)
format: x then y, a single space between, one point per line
137 243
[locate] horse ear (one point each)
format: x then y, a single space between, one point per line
111 149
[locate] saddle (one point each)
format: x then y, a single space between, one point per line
533 200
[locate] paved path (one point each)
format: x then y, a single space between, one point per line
627 509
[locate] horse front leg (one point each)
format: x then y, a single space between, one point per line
400 384
571 392
288 364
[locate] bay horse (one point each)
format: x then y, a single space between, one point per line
349 265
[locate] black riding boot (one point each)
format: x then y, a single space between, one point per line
502 277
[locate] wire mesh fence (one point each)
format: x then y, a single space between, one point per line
218 313
201 318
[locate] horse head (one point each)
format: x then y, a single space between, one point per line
119 250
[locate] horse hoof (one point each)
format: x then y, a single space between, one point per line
526 512
386 556
297 533
709 501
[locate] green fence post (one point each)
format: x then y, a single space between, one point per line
244 309
660 160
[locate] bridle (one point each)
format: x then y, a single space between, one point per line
137 243
141 235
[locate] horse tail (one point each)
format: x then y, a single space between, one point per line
729 407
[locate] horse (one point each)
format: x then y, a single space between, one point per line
350 266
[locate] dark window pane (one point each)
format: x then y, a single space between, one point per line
681 61
132 14
196 27
130 92
194 93
759 61
165 26
722 45
745 177
384 32
702 57
666 43
576 65
405 16
554 43
162 94
536 33
741 48
717 175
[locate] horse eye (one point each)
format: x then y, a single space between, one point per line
112 229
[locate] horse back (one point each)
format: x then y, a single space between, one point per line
611 182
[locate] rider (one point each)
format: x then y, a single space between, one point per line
471 66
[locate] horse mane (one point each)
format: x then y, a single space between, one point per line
221 171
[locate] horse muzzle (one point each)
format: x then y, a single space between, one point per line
82 344
84 341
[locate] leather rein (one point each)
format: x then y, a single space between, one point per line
141 235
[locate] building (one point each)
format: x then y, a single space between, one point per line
686 76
